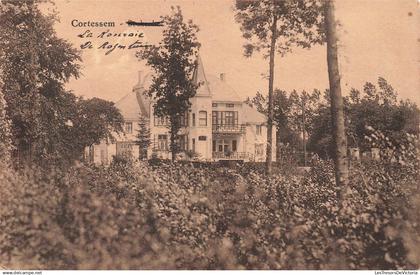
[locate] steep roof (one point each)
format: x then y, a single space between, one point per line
251 115
129 106
199 76
221 91
136 102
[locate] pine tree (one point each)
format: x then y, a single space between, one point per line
173 62
143 136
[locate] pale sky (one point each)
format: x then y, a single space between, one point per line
377 38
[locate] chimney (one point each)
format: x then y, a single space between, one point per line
223 77
139 85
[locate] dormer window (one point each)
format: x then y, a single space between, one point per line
230 105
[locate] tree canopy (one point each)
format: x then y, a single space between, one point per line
276 26
48 123
173 61
299 24
375 106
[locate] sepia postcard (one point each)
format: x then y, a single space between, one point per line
209 135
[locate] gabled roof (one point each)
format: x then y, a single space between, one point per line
221 91
252 116
135 103
129 106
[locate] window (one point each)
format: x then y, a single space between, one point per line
229 118
124 148
202 138
182 142
230 105
129 127
258 130
234 145
161 121
91 153
214 104
193 119
193 145
225 118
163 142
259 149
214 118
104 157
202 118
184 120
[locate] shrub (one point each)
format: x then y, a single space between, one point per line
132 215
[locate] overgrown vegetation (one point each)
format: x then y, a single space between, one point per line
173 215
48 124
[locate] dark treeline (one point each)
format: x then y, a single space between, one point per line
374 107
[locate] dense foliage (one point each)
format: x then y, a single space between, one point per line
48 123
35 64
372 106
174 215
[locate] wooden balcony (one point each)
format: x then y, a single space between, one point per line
233 155
228 129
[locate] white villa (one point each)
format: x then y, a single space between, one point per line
218 126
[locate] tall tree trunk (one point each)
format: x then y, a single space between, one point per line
304 131
337 113
269 153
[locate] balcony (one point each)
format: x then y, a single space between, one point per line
233 155
228 129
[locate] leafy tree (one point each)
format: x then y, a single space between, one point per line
293 112
143 136
272 26
95 119
173 62
337 109
304 107
35 64
365 108
320 140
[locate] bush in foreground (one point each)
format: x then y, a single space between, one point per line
175 216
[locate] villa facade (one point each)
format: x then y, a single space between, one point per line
218 126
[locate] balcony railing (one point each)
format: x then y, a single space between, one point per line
232 155
233 128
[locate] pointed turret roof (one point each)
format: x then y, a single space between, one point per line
199 76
